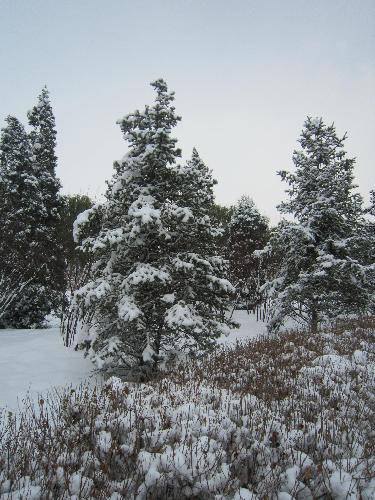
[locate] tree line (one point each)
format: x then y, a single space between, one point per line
158 264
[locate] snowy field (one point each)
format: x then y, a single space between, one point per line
36 361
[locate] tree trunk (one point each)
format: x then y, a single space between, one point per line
157 342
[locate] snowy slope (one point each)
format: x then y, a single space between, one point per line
36 360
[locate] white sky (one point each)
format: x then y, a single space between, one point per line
246 74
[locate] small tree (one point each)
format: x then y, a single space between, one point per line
157 283
322 272
248 231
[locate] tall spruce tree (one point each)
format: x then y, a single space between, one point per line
325 258
157 283
21 212
43 144
248 231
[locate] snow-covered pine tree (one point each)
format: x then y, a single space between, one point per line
323 273
198 184
248 231
43 144
21 210
157 283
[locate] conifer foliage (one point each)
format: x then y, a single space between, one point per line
77 263
32 259
371 209
221 215
157 283
248 231
43 144
21 213
324 271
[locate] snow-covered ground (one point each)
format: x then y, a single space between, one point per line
35 361
249 328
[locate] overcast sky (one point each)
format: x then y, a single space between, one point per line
246 74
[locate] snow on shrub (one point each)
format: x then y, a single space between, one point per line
288 416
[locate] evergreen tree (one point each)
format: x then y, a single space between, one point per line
371 209
21 210
43 144
323 272
197 183
248 231
221 216
157 283
77 263
369 238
